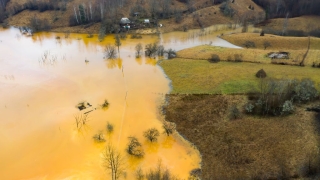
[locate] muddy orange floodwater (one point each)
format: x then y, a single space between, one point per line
39 138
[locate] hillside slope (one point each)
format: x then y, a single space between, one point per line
197 14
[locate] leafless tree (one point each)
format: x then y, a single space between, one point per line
112 161
99 137
110 52
138 50
139 174
168 128
266 44
75 14
151 134
81 120
135 147
117 41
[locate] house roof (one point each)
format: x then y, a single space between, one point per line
125 20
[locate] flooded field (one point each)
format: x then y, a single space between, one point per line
39 137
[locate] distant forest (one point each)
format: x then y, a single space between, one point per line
292 8
2 9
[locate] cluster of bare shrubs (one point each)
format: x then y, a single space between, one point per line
135 36
315 65
249 44
99 137
48 59
277 97
237 58
110 52
158 173
40 6
37 24
153 50
134 147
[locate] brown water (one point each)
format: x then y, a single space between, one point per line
38 134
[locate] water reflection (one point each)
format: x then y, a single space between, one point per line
113 63
151 61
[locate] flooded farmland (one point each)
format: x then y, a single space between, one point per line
39 137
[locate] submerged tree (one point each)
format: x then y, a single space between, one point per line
135 147
113 162
138 50
151 134
110 52
168 128
117 41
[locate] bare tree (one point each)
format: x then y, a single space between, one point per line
285 25
110 52
135 147
151 49
81 120
75 14
99 137
266 44
113 162
168 128
138 50
151 134
139 174
117 42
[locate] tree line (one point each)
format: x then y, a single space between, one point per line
3 14
280 8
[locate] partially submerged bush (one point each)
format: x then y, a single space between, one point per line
99 137
171 53
151 49
110 52
151 134
135 147
109 128
168 128
105 104
138 50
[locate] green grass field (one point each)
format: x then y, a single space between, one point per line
200 76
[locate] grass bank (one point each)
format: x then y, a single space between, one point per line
199 76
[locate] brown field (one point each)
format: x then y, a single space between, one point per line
303 23
250 147
279 43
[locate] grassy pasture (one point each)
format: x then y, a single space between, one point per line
247 55
199 76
